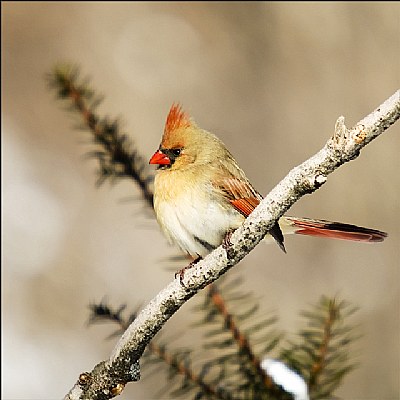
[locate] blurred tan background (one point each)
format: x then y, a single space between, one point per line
270 79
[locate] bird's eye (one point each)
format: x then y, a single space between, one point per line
176 152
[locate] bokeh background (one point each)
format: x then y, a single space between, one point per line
270 79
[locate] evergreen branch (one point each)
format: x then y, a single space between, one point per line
117 158
250 380
241 339
181 366
321 356
322 353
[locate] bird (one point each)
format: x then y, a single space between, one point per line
201 195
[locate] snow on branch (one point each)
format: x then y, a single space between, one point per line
109 377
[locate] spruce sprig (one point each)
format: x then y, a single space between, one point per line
321 352
115 152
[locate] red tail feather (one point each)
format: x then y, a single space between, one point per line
336 230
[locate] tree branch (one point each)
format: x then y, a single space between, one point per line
109 377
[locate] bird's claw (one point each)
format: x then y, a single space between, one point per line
226 243
181 272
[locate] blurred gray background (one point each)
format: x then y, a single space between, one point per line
270 79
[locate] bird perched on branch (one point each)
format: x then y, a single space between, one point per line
201 194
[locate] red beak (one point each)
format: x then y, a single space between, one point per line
160 158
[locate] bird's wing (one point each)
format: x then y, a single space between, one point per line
244 198
239 193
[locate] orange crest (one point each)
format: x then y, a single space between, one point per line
177 118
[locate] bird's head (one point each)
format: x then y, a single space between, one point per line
184 144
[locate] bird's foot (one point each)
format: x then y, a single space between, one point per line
226 243
181 272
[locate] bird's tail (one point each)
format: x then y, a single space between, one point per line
336 230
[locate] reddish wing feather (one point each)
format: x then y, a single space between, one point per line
245 205
240 194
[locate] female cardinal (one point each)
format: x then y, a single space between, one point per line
201 194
